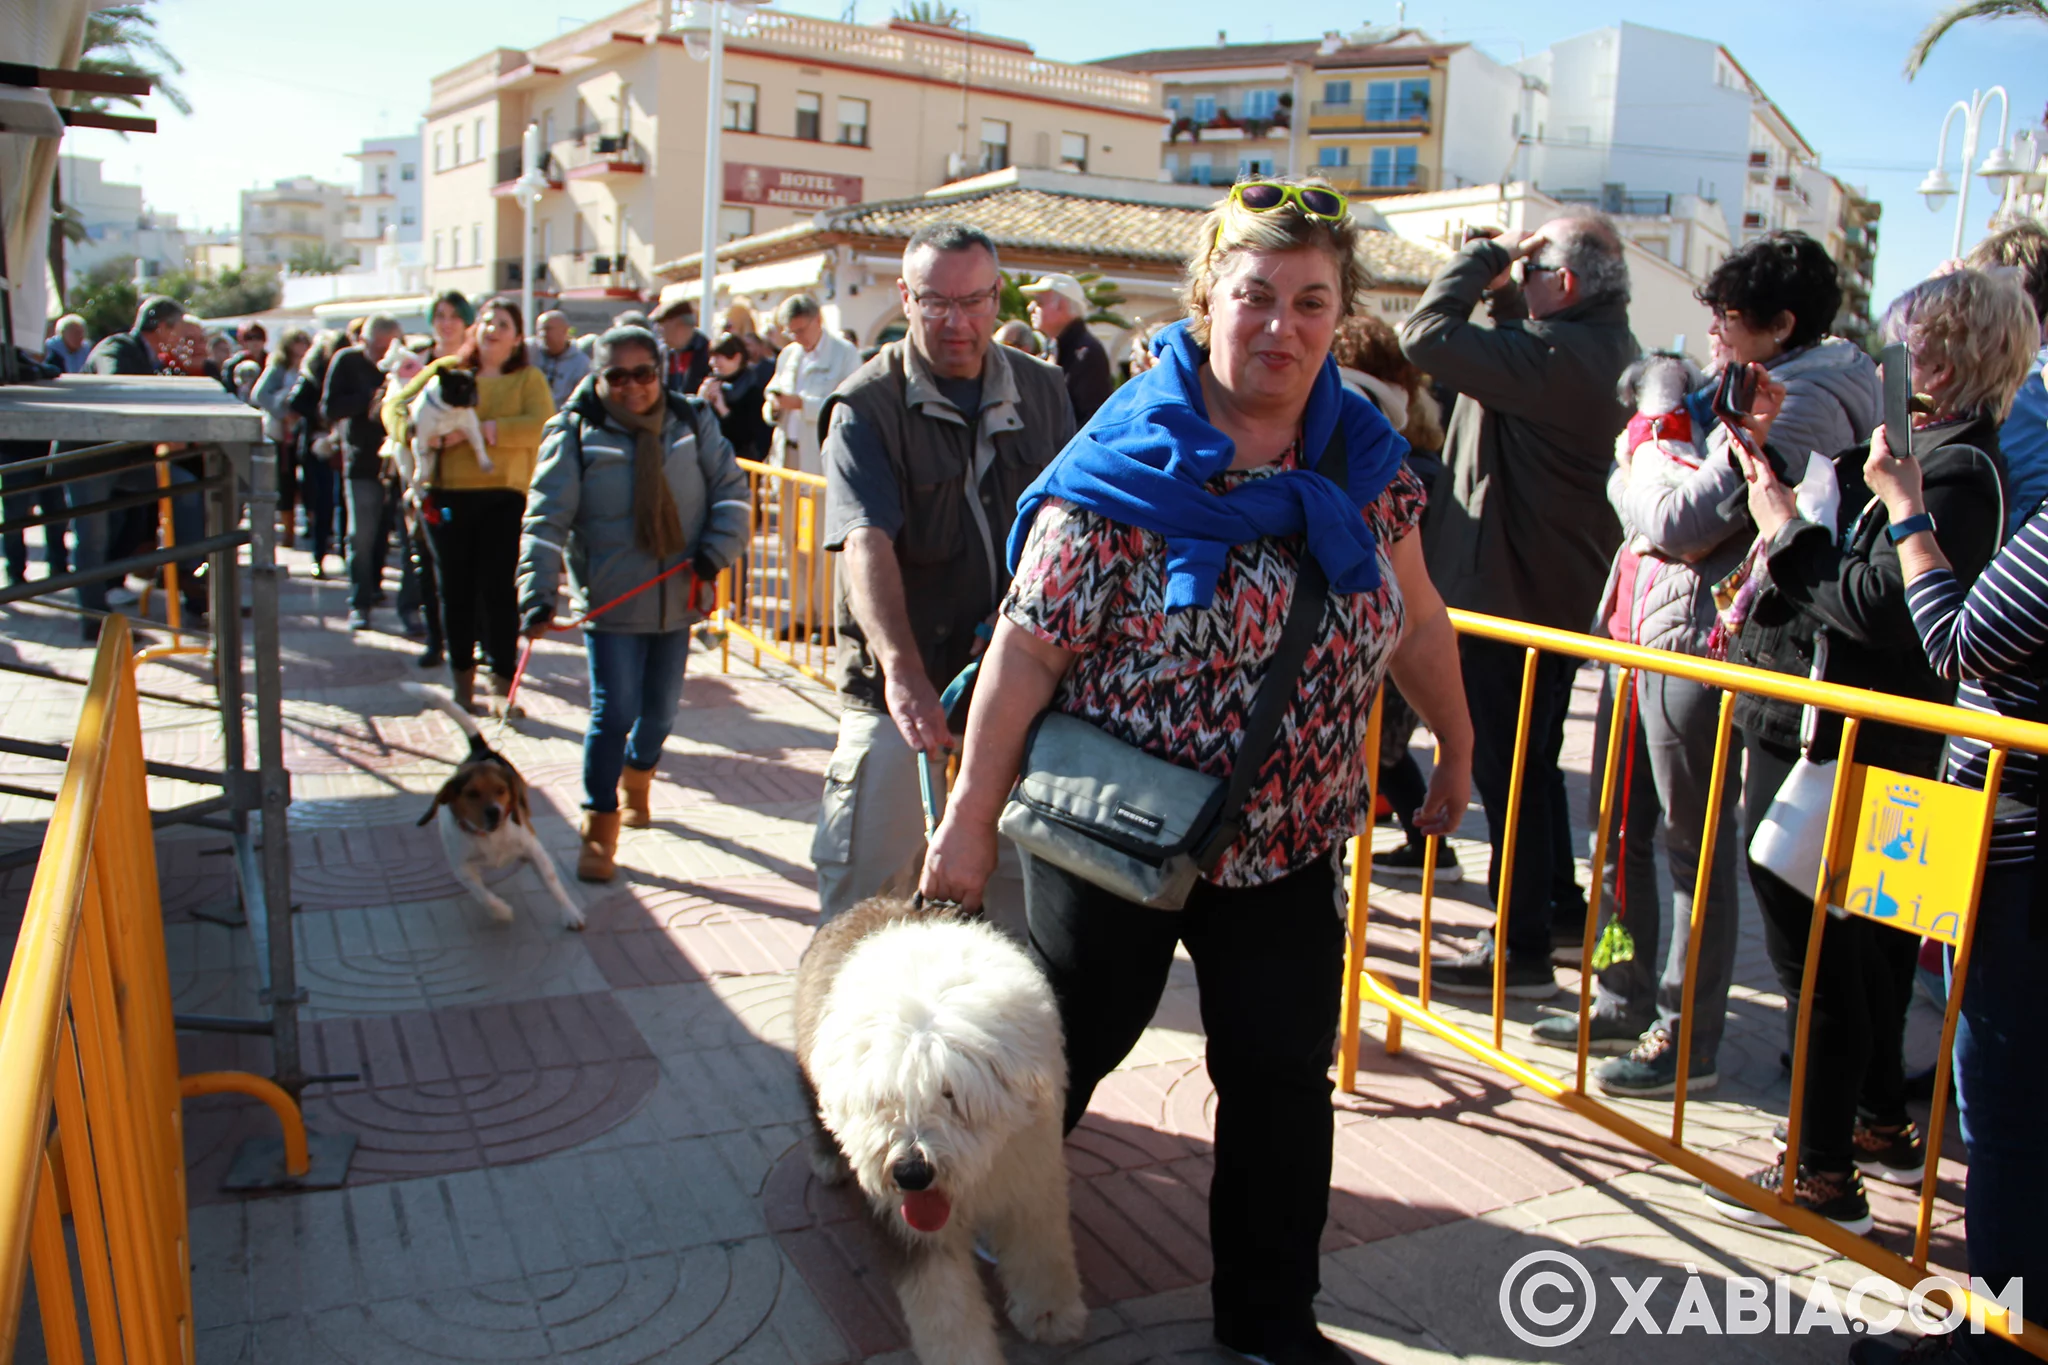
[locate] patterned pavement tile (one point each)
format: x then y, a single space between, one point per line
733 927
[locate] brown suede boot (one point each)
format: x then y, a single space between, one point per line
600 842
635 787
465 692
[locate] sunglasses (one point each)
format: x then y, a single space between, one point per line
619 375
1263 196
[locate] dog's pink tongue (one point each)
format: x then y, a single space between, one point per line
927 1210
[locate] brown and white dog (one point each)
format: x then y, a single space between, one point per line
486 821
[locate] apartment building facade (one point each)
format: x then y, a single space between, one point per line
814 115
1376 112
292 217
387 201
118 225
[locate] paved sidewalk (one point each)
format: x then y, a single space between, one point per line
586 1147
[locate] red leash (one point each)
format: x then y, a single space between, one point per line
526 642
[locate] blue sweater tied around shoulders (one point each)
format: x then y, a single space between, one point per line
1145 457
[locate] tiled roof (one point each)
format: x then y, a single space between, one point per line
1191 58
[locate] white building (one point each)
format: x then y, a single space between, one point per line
297 215
118 226
388 194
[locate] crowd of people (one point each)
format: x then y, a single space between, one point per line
1130 554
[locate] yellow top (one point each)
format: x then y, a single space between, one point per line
519 403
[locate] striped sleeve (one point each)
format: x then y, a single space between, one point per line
2000 627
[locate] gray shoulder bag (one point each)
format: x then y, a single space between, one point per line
1134 824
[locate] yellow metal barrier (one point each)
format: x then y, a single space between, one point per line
778 598
86 1033
1857 706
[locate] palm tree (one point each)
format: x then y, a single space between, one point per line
120 40
934 12
1969 9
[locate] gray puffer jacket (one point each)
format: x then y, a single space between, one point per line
1701 529
579 509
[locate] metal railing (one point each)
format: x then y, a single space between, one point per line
1857 706
86 1032
778 600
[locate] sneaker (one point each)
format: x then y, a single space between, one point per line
1897 1157
1609 1033
1650 1071
358 621
1472 975
1837 1198
1925 1350
1300 1346
1406 862
1567 938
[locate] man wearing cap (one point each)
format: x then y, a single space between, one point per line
806 372
1059 310
927 449
686 355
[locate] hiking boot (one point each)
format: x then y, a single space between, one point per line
1472 975
1837 1198
600 845
636 785
1650 1071
1406 862
1610 1034
1894 1155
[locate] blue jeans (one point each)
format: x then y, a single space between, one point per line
372 518
636 684
2001 1072
93 530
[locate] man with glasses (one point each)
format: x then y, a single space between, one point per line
1519 526
928 447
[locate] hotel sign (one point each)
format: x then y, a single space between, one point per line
781 187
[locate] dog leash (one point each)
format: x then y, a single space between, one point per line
928 790
526 641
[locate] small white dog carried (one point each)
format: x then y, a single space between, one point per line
446 406
931 1046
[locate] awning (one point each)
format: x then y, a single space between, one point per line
800 272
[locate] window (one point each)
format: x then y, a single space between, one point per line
1333 156
810 115
1336 92
1261 103
1254 167
1396 101
408 173
585 125
1201 168
383 221
454 247
853 122
1205 108
476 243
741 102
437 249
1074 152
407 217
440 158
383 180
735 221
626 109
476 146
1173 106
298 220
1392 167
995 144
457 143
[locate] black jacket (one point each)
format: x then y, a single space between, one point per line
684 371
1086 366
745 426
122 353
1856 593
348 401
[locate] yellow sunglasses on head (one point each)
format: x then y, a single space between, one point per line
1263 196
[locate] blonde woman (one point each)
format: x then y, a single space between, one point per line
1155 561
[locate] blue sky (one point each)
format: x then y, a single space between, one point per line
287 90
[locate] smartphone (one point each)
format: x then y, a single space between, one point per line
1898 401
1736 394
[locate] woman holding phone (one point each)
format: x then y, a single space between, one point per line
1830 602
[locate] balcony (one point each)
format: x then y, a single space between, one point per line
606 157
510 160
1224 126
1759 166
1754 222
1369 116
1370 180
585 275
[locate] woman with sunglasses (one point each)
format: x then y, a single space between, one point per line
634 481
470 513
1155 562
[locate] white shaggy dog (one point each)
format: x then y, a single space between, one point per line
931 1045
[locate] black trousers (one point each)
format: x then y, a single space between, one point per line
1855 1059
475 540
1493 691
1269 961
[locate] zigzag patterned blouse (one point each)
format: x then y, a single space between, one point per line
1181 686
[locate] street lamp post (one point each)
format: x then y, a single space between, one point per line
1937 186
703 30
533 183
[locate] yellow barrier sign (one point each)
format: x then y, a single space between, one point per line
1911 859
806 529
